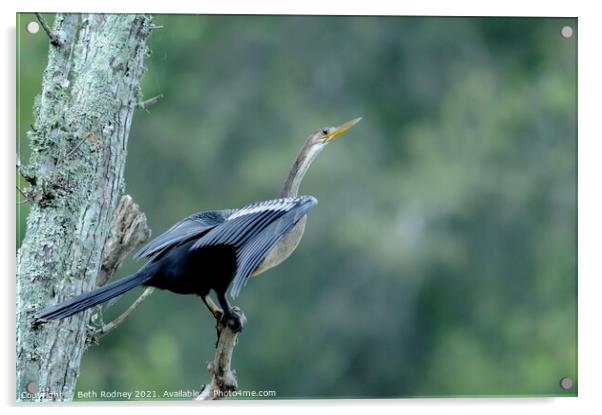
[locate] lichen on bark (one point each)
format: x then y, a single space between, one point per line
90 90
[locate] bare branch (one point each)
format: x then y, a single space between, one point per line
21 191
54 39
128 231
25 172
223 377
113 324
147 103
20 202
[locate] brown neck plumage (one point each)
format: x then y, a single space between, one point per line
308 153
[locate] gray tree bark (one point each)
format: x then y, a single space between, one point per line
80 226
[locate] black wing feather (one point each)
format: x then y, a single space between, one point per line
193 226
254 230
236 231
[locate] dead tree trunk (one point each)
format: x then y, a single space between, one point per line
83 115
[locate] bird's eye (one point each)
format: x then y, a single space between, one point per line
325 131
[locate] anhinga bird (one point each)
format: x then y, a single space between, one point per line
221 248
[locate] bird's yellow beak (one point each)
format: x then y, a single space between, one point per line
342 129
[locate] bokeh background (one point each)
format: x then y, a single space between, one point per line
441 260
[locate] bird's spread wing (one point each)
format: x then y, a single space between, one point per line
254 230
193 226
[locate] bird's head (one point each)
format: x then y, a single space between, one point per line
312 147
328 134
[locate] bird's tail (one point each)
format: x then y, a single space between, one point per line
84 301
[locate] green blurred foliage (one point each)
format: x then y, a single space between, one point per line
441 259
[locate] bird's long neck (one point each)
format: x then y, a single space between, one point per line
307 154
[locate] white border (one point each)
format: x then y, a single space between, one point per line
590 202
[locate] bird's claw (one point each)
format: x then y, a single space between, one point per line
235 320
